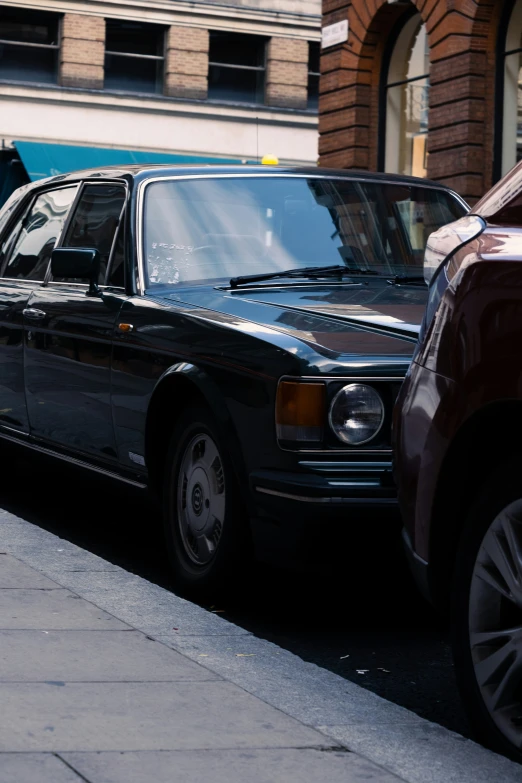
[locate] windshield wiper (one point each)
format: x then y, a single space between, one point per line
405 279
305 271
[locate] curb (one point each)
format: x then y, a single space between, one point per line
391 736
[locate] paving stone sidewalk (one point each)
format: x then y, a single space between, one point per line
86 697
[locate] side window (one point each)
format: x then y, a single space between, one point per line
116 275
9 240
95 221
39 233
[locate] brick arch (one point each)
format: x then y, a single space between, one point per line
350 77
462 36
462 111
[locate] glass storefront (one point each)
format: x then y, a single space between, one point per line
512 109
407 91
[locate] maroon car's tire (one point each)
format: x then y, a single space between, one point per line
484 613
205 524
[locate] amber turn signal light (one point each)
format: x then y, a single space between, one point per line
300 411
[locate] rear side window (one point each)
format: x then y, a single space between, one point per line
11 205
95 222
9 240
38 234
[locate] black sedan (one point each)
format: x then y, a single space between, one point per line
233 338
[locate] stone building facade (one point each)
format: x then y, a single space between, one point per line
429 87
194 81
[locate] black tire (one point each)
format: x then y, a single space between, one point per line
232 554
499 492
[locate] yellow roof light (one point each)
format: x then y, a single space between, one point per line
269 160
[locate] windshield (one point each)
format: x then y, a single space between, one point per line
211 230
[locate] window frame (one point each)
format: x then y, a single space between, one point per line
136 56
313 73
233 66
49 47
22 214
500 83
72 212
141 267
27 204
384 84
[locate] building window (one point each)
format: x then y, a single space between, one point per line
511 110
236 70
134 57
406 101
314 52
29 44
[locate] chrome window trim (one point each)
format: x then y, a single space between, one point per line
142 186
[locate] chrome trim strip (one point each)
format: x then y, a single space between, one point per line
346 467
252 174
342 452
292 497
72 460
341 378
368 483
332 500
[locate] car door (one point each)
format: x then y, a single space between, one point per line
69 334
24 257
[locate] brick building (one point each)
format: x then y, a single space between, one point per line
430 87
141 80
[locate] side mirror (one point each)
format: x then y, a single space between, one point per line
77 262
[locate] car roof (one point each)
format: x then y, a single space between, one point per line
142 172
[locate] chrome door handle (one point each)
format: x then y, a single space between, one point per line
34 314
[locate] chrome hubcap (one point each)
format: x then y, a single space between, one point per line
495 621
201 499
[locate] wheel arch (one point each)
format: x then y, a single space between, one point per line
490 436
187 384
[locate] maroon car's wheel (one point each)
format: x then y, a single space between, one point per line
204 523
487 614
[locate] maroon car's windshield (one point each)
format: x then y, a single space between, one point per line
212 229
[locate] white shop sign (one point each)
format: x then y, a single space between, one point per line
334 34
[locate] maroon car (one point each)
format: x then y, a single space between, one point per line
458 446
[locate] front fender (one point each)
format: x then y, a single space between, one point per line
189 385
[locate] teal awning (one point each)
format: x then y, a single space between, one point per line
46 160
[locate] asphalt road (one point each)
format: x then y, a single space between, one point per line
358 616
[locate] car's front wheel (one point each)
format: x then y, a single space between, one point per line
204 521
487 614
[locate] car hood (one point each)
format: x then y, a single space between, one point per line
395 309
367 317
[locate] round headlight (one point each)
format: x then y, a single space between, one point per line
356 414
